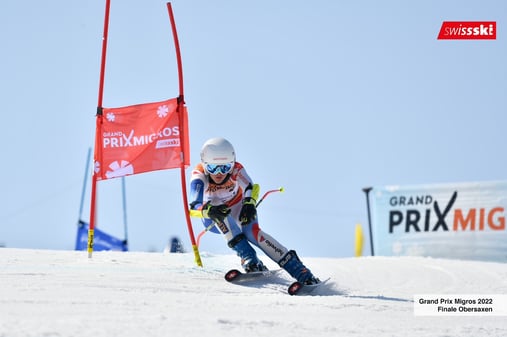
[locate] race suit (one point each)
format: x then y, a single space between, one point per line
231 192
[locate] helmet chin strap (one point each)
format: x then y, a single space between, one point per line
223 181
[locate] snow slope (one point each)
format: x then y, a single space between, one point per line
63 293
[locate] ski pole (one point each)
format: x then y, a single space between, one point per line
280 189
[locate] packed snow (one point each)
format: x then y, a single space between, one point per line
65 293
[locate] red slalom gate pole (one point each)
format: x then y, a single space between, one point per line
183 129
93 202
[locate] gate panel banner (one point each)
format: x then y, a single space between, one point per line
140 138
462 220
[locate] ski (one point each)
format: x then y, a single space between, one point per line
236 276
298 288
295 288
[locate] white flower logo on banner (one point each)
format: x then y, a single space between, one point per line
110 117
162 111
119 169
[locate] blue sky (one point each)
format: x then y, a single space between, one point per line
322 98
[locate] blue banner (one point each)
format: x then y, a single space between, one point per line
101 240
461 220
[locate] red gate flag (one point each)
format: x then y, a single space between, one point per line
141 138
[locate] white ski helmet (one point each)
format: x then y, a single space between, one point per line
217 151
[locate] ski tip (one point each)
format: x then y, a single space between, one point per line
231 275
294 288
297 288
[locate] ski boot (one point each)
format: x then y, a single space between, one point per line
293 265
249 260
253 266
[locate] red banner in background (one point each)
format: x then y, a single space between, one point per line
140 138
467 30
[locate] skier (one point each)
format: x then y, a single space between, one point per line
221 188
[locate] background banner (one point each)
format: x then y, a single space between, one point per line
459 220
102 240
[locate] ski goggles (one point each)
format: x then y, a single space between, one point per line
221 168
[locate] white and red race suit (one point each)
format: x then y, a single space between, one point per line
231 192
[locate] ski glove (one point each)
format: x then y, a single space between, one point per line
248 211
216 213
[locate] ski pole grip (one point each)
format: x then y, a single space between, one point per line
195 213
255 191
